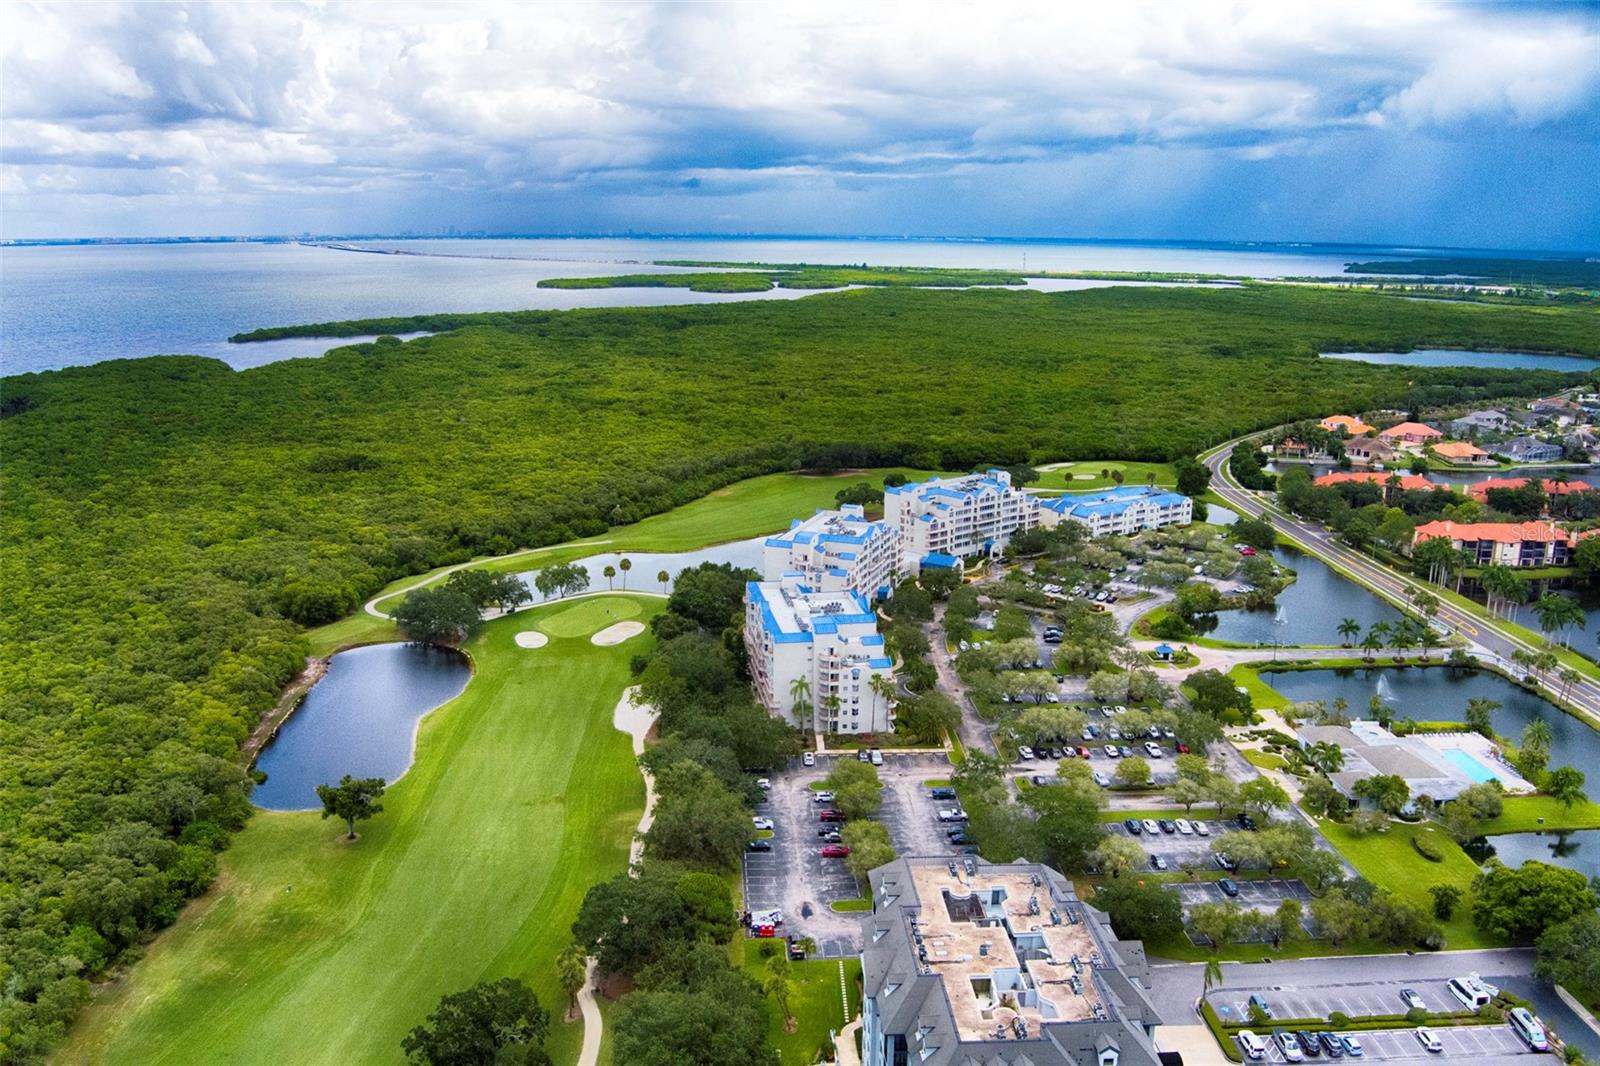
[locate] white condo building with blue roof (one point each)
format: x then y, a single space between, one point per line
822 647
1124 510
834 551
945 520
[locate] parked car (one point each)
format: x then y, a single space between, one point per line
1167 826
829 836
1352 1046
942 792
1429 1040
834 851
1184 827
797 949
1084 753
1202 829
1113 734
809 758
758 845
1111 751
1409 997
828 814
1127 752
1245 821
1152 749
1151 827
822 797
1132 825
1259 1001
1229 886
1040 779
1254 1048
761 823
952 814
1102 780
1332 1046
1288 1046
1024 752
1157 862
1310 1046
1225 863
1183 749
876 757
763 784
861 755
958 836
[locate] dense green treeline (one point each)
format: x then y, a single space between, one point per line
1574 273
729 281
169 523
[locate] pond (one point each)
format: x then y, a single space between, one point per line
1440 694
1578 850
646 565
1587 593
360 719
1308 612
1465 357
1218 515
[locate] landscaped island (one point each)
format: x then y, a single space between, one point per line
171 527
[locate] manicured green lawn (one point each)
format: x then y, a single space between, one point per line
815 1001
313 951
588 616
1522 813
744 509
1389 861
1069 477
848 905
1266 760
1262 695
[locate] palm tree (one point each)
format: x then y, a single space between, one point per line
572 970
1326 756
776 985
830 707
1537 737
1349 629
663 577
610 573
1213 975
1370 645
624 564
1381 632
800 697
1341 711
1545 661
1549 611
1404 638
1428 637
1569 677
882 686
1570 613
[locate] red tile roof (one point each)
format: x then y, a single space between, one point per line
1377 477
1499 532
1480 491
1411 429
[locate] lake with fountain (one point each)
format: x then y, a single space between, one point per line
1308 612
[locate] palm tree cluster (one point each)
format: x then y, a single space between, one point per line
1402 635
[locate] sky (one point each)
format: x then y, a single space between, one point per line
1439 124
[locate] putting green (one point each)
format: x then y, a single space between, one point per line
312 951
589 616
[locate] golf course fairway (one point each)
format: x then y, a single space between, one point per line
309 950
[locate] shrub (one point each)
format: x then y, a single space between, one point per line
1428 850
1338 1019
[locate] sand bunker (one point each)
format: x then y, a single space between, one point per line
616 634
531 638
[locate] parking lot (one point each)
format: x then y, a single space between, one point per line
795 878
1488 1043
1180 849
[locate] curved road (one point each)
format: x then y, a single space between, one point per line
1489 639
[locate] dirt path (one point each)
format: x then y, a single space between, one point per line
315 669
636 720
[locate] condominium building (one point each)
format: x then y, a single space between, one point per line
820 650
1124 510
953 518
1504 543
987 963
836 550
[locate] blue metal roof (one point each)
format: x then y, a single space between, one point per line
940 559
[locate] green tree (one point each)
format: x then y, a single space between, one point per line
1132 773
1216 695
663 577
572 971
353 799
777 985
1212 978
697 1009
1219 924
1520 903
1320 798
869 848
1565 784
1263 796
1387 792
1480 715
1140 910
437 616
624 564
1066 825
1116 855
697 819
1445 899
1349 629
1192 476
493 1023
610 574
1568 952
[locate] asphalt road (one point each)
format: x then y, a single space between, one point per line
1489 637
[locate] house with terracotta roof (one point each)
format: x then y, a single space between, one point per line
1408 482
1347 424
1505 543
1480 491
1411 433
1460 453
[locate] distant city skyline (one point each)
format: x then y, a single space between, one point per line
1473 126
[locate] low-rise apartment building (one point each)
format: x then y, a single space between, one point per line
1124 510
1504 543
813 657
1385 481
953 518
836 550
1480 490
989 963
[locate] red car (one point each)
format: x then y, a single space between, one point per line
835 851
830 815
1083 753
1183 749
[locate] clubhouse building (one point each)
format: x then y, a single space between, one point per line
944 520
997 964
833 551
1125 510
820 649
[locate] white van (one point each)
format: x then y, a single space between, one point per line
1525 1025
1253 1046
1470 991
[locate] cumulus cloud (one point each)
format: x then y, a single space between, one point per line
373 107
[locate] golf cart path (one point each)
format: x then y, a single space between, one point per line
634 719
371 606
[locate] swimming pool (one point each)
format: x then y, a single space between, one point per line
1469 764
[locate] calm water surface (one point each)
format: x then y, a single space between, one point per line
1308 611
360 719
745 554
1464 357
69 306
